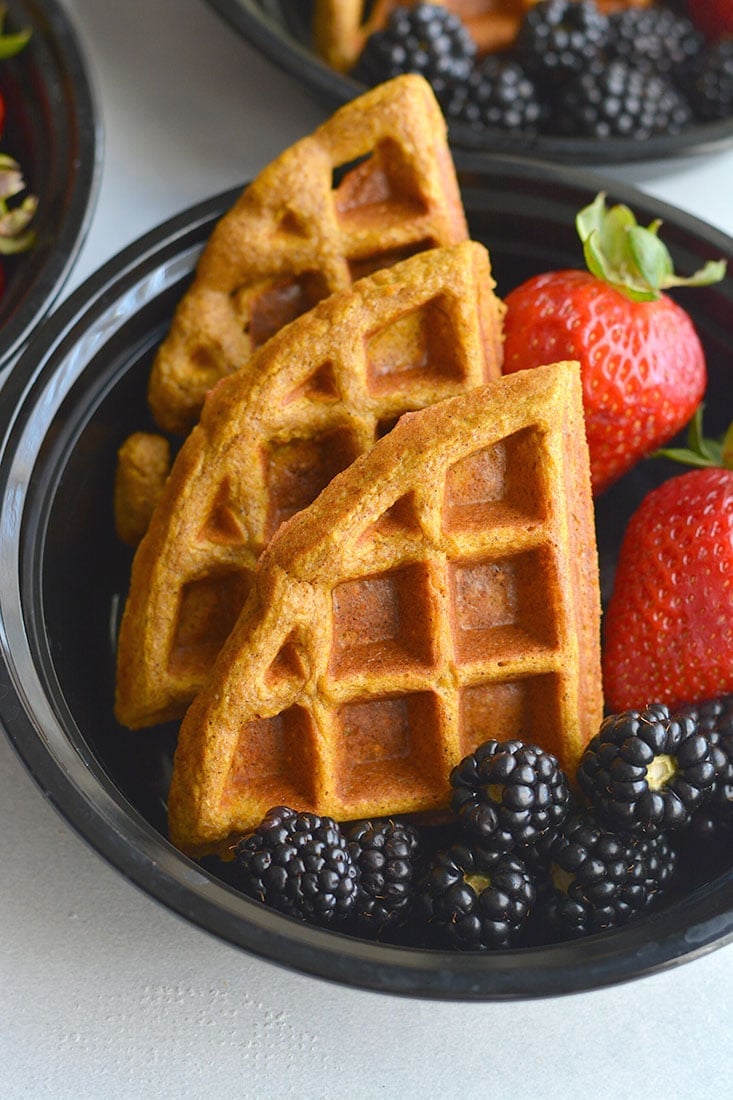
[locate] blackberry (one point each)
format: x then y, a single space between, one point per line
386 854
646 770
597 880
619 101
508 793
711 90
655 40
475 898
714 719
497 95
558 37
298 863
658 865
424 38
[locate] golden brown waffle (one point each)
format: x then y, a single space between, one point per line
296 235
319 394
441 591
340 28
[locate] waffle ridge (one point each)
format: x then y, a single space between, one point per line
441 590
320 393
373 184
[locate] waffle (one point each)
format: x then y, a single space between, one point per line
319 394
441 591
341 28
297 234
143 464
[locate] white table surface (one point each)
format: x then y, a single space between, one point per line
103 993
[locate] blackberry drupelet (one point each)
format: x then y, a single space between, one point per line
426 39
596 881
473 898
714 719
299 863
386 854
655 40
558 37
647 770
616 100
508 793
711 90
497 95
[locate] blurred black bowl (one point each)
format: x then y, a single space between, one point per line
52 129
281 30
76 393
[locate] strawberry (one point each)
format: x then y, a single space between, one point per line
642 364
713 17
668 629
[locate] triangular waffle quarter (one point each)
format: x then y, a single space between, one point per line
373 184
441 591
320 393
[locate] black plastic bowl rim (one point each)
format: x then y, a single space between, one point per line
49 742
60 147
261 23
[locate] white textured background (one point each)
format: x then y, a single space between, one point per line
105 994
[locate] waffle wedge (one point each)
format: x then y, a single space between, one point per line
441 591
297 234
319 394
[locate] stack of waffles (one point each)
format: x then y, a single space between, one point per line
272 436
372 551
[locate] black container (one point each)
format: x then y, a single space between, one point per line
281 30
53 130
75 394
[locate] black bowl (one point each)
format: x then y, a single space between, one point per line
53 130
75 394
281 30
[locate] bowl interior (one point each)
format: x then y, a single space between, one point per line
281 29
53 132
86 394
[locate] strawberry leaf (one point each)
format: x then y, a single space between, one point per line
701 451
630 258
10 44
713 272
653 261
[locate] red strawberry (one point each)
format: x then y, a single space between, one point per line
713 17
669 624
642 364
